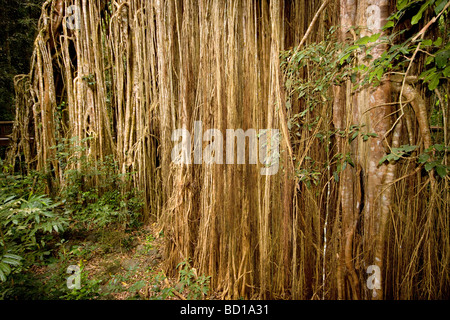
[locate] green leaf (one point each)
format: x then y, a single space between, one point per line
408 148
363 40
137 286
336 176
388 25
367 39
5 268
429 60
441 170
446 72
12 256
418 16
401 4
379 72
434 82
427 42
422 158
429 166
383 160
374 37
11 262
48 214
427 74
440 5
395 155
442 58
438 42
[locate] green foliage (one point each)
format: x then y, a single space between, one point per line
308 176
103 204
27 225
328 63
331 63
433 159
197 286
6 261
418 7
29 222
397 153
90 79
109 208
436 66
89 289
148 244
322 62
398 56
20 185
159 290
341 161
30 286
440 67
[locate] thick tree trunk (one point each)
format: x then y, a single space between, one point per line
374 105
368 107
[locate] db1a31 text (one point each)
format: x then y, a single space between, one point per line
244 309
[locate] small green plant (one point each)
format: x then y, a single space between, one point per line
90 288
148 245
197 286
159 290
93 189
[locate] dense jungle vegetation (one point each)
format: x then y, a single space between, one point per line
357 91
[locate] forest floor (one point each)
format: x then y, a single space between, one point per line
115 265
104 248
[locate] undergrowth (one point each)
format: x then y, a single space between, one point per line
41 236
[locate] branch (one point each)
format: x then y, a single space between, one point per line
311 25
424 29
322 7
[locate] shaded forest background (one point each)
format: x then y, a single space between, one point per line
362 112
18 29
